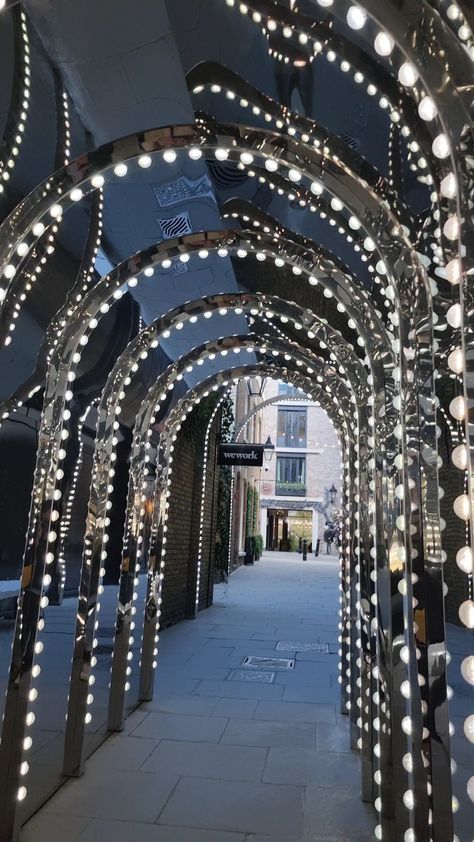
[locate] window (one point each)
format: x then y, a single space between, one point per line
291 428
290 391
291 476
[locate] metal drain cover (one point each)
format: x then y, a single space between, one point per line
256 676
268 663
292 646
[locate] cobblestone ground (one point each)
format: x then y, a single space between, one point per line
220 758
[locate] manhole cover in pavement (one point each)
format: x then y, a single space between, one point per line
258 676
292 646
268 663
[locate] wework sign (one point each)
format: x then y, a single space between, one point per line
241 454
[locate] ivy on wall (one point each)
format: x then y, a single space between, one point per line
223 511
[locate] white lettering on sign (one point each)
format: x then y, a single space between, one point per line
251 455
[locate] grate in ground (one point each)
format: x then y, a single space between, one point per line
257 662
255 676
294 646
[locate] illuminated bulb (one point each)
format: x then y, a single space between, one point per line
407 75
407 762
120 170
76 194
464 557
467 669
144 161
21 794
459 457
405 689
456 361
169 155
466 613
451 228
409 799
453 271
383 44
246 158
462 507
457 408
409 835
98 181
440 146
325 3
427 109
195 153
470 788
407 725
454 315
356 17
449 186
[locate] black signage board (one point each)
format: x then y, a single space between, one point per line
250 455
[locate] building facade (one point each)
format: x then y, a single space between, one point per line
296 491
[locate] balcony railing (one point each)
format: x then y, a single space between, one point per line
290 489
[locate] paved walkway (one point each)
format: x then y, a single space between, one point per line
217 758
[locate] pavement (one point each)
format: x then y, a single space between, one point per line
225 752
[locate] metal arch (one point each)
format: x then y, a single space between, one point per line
333 278
379 222
211 72
94 538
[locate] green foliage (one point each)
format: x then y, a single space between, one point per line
223 510
294 542
296 489
258 546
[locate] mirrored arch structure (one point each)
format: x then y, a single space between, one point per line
332 279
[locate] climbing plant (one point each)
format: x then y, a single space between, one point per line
223 511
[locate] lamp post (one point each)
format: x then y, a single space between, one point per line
268 450
332 494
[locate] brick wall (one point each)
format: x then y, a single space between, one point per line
183 523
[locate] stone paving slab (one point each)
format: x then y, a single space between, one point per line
223 805
261 733
295 712
162 726
211 760
115 795
208 760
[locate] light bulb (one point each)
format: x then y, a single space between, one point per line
453 271
427 109
470 788
449 186
457 408
407 75
462 507
409 799
454 315
469 728
464 557
451 228
459 457
466 613
467 669
356 17
456 361
440 146
383 44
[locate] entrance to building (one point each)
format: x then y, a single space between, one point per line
288 528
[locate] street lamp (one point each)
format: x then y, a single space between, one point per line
268 449
332 493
